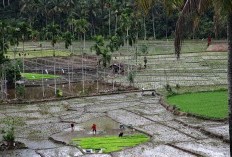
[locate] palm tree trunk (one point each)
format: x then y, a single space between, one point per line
1 71
153 24
127 48
23 53
229 33
82 71
127 40
3 3
84 41
97 75
116 22
144 27
54 76
109 21
102 17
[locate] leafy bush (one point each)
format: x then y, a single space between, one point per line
20 90
12 69
144 49
59 93
9 128
8 135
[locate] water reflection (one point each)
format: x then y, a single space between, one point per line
72 89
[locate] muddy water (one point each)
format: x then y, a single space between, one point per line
103 123
48 91
105 126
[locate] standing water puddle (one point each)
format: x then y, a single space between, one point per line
104 126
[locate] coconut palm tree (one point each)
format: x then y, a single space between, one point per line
4 37
34 8
102 50
53 32
82 26
126 23
4 30
3 3
25 31
68 37
56 8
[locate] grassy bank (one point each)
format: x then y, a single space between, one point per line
33 76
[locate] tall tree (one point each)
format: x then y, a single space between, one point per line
103 50
53 32
25 31
3 3
4 40
68 37
82 26
4 34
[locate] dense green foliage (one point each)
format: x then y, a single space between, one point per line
110 143
12 71
207 104
103 17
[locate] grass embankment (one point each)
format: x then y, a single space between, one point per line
211 104
110 143
33 76
34 54
162 47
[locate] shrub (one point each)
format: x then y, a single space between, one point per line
59 93
131 77
20 90
12 69
9 128
168 88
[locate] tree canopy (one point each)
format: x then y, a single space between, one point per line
106 17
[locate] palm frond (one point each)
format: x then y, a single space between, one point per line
190 7
144 5
223 6
173 5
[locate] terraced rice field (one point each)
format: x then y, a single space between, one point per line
194 69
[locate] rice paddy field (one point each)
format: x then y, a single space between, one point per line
196 70
34 76
110 143
48 124
207 104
